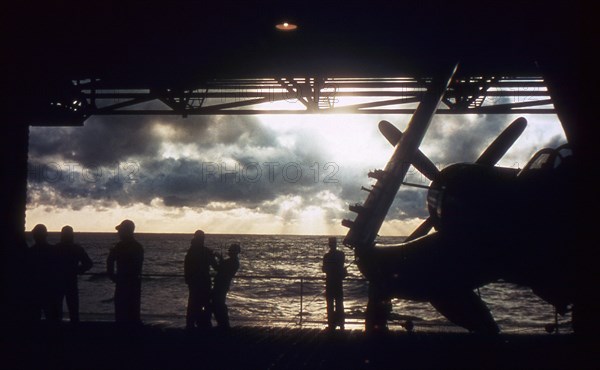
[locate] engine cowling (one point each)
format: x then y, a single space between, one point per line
467 195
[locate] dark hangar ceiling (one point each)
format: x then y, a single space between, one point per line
167 43
179 45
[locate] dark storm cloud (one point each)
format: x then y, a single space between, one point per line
466 141
208 131
120 160
183 182
103 141
179 182
453 139
409 203
236 162
244 131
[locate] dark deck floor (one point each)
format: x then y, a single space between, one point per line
97 345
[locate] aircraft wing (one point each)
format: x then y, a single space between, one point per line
419 160
370 216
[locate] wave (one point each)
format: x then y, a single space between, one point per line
279 281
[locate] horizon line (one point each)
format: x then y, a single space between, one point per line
207 233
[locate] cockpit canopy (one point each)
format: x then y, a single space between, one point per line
548 159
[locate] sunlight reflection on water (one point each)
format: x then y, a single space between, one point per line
277 301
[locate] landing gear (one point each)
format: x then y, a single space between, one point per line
378 312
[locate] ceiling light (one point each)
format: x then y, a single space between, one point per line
286 26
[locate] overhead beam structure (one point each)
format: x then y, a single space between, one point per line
307 95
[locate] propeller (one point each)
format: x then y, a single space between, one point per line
363 230
496 150
490 156
419 160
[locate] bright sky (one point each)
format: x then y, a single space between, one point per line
239 174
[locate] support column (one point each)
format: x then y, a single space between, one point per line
565 80
14 145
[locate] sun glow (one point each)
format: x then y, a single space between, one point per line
347 140
352 144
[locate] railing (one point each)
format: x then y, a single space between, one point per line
306 298
291 304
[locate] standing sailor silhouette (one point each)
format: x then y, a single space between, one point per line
128 256
333 267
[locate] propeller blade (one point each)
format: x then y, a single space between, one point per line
492 154
420 231
420 160
366 225
390 132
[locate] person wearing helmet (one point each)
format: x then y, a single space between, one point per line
128 256
226 270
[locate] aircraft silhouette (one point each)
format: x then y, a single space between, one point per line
490 223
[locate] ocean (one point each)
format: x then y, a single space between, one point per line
280 283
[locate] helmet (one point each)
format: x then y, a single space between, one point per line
126 226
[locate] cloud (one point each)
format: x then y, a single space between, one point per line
234 163
137 160
452 139
103 141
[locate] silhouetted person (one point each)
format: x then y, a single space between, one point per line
74 261
333 267
128 256
226 270
44 267
196 269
